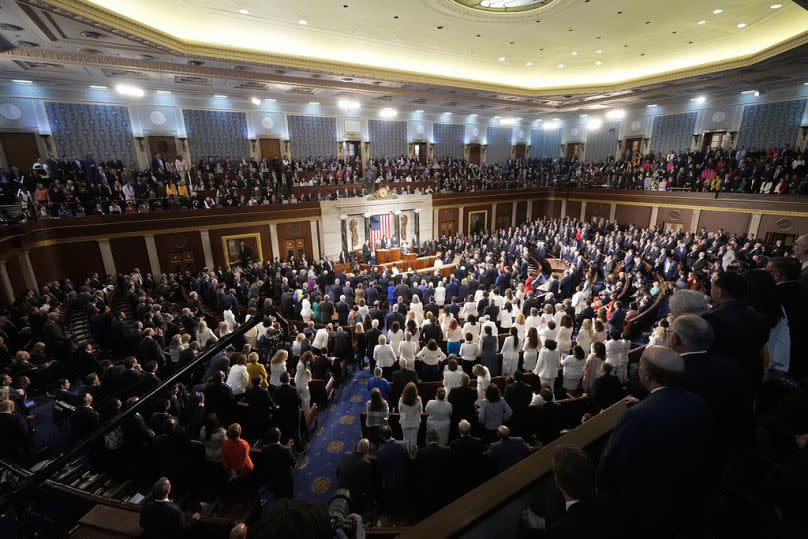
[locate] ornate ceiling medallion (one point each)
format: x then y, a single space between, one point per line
488 9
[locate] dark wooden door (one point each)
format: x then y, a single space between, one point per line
521 150
295 247
20 149
270 148
447 228
474 154
420 151
165 146
573 149
713 140
633 144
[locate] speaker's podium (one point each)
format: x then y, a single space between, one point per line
384 256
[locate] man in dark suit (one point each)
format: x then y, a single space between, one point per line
400 379
507 451
617 321
62 393
793 298
355 473
518 395
86 420
656 454
607 390
16 445
432 330
392 464
395 316
371 340
288 401
158 164
276 465
219 398
342 347
462 399
260 408
343 310
161 517
431 463
472 466
585 515
732 318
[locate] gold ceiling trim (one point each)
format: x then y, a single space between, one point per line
121 26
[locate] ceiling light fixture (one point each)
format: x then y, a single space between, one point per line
700 99
255 101
388 112
718 11
303 22
741 25
560 66
501 58
776 6
751 92
547 126
163 92
652 105
419 111
349 105
616 114
314 102
472 115
702 22
599 51
270 99
20 81
529 64
132 91
594 123
575 53
583 115
598 63
244 12
97 87
220 96
507 121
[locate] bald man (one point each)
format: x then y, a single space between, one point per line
355 473
656 456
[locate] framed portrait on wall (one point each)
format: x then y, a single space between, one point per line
478 222
242 247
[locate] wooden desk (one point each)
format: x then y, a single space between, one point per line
109 522
384 256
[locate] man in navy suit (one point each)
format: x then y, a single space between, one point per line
163 518
393 462
656 456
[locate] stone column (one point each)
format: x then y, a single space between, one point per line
106 257
654 215
460 220
754 225
28 271
513 213
315 241
273 236
612 212
563 208
529 210
492 223
694 224
7 288
154 260
207 252
435 224
583 210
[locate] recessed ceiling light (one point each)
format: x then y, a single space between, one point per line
388 112
616 114
594 123
304 22
718 11
560 66
220 96
776 6
598 63
751 92
97 87
447 113
314 102
20 81
163 92
244 12
575 53
741 25
702 22
419 110
501 58
255 101
700 99
498 117
133 91
583 115
472 115
598 51
270 99
529 64
651 105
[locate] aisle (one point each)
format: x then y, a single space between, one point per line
316 471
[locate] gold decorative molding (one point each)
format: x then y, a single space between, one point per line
111 22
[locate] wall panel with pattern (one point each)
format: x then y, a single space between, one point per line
602 143
449 140
770 125
312 135
545 143
214 132
387 139
673 132
101 130
499 144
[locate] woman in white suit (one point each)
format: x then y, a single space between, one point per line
417 308
510 353
439 415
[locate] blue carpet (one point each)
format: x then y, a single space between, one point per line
338 431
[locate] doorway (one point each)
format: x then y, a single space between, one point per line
521 150
420 151
296 248
353 150
713 140
574 150
21 149
270 148
165 146
474 154
447 228
633 145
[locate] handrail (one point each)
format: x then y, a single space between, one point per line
20 494
470 509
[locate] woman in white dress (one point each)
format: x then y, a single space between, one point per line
548 364
547 316
417 308
251 336
573 366
559 313
238 378
530 350
472 327
505 317
469 352
598 331
277 366
305 309
302 379
396 336
452 375
298 345
175 349
439 415
204 335
564 335
548 333
622 369
440 294
410 409
520 325
584 337
510 353
483 380
614 347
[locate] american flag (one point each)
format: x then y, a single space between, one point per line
380 226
